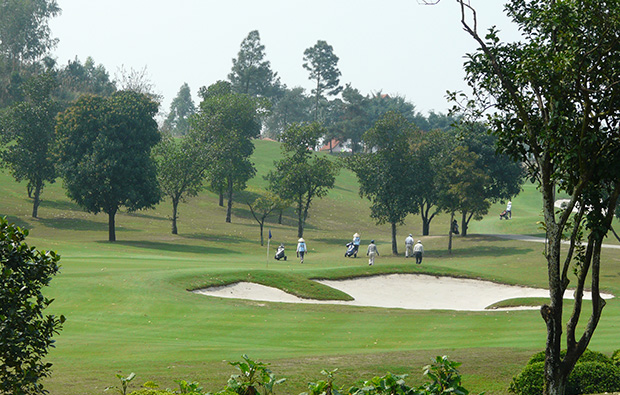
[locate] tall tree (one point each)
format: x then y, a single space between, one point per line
228 122
27 131
557 100
251 74
301 176
181 109
322 64
181 169
387 176
77 79
25 38
105 153
432 152
293 107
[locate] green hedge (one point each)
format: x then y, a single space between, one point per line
594 373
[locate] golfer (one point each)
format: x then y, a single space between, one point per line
409 246
301 249
418 251
372 252
509 209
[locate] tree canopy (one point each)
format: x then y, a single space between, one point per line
556 96
105 153
322 65
181 109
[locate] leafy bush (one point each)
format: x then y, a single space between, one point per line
615 357
531 380
587 356
25 331
593 378
594 373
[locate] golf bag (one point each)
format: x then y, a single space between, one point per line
503 215
280 253
351 250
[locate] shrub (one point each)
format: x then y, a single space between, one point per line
25 331
615 357
594 373
593 378
530 381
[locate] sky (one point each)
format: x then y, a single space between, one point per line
398 47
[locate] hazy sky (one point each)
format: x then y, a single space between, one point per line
393 46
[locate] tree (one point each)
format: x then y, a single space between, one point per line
228 122
262 207
27 131
505 176
387 176
77 79
322 64
137 81
301 176
26 332
104 153
293 107
462 184
556 96
181 109
25 38
251 74
432 151
181 170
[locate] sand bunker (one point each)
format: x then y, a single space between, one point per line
406 291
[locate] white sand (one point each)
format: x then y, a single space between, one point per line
407 291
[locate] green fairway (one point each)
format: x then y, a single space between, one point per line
128 307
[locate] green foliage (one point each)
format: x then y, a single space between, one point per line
27 131
181 169
104 153
25 332
531 380
181 110
254 378
324 387
322 64
593 373
77 79
300 176
124 383
615 357
445 377
387 385
387 176
251 74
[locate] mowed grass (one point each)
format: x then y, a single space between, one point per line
128 307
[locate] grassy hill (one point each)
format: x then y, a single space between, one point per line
129 310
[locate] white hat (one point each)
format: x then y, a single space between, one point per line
410 235
419 241
356 235
301 240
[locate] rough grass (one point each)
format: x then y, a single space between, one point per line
128 308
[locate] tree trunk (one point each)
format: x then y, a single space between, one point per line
280 217
450 234
37 199
230 201
111 226
426 226
300 225
394 244
175 205
221 201
464 224
262 243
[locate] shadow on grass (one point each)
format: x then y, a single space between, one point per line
146 216
216 238
482 251
64 205
335 242
75 224
173 247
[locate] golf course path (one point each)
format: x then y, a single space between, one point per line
536 239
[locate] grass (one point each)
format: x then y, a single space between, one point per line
128 308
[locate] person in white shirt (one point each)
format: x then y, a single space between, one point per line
509 209
301 249
409 246
418 251
372 252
